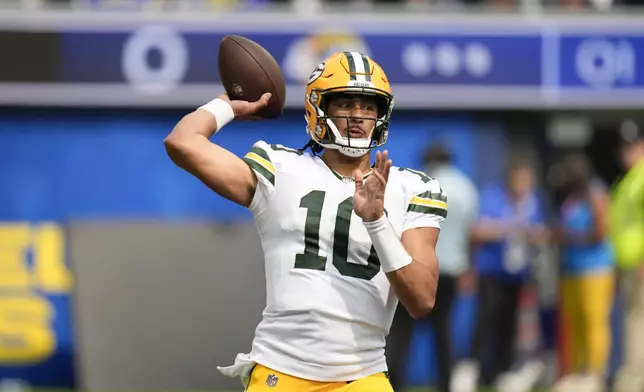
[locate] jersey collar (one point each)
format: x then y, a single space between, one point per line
346 178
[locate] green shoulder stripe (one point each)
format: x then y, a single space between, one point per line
261 153
259 169
427 210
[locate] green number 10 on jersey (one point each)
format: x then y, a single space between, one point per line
312 259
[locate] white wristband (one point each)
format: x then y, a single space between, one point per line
390 250
221 110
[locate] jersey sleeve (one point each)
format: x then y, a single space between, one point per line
260 161
427 205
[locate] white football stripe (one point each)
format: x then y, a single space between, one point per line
357 60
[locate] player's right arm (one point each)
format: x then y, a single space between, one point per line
190 148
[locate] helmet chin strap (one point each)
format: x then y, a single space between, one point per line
352 152
342 143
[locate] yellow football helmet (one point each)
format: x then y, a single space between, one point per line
347 73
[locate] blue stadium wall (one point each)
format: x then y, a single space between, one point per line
61 165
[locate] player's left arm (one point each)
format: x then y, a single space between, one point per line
415 284
409 261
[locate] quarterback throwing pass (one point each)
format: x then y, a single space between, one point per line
344 237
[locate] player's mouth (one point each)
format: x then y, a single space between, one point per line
356 133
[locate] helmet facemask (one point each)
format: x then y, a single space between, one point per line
327 134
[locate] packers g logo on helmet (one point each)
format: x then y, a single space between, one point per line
317 72
348 73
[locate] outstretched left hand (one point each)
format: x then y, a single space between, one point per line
369 197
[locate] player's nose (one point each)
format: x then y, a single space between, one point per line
357 111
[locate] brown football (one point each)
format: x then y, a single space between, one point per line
247 71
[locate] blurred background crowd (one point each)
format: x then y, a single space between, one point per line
118 271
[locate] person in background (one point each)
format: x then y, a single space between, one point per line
587 283
511 222
627 237
453 251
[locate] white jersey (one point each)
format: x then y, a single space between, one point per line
328 304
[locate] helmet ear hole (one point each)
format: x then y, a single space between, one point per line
320 131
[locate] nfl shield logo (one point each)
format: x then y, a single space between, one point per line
271 380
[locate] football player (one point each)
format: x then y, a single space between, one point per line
344 240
